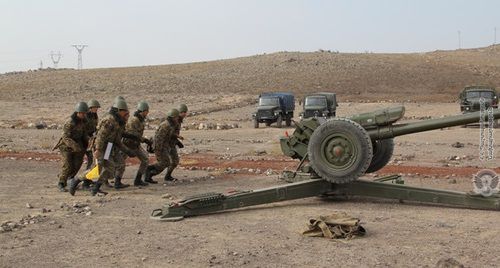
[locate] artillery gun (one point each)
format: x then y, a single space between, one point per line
333 155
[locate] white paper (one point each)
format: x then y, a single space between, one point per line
107 153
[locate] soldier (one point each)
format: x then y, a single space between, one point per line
73 144
107 145
183 109
135 131
92 120
164 146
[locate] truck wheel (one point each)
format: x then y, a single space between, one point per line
288 121
340 150
256 123
382 153
279 121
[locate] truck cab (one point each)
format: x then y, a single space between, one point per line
471 95
321 104
274 108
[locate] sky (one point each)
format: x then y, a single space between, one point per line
151 32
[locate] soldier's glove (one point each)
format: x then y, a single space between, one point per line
130 153
179 144
148 142
150 148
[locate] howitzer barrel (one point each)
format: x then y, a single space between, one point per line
391 131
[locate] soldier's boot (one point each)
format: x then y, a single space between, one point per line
86 185
97 189
61 186
119 184
150 172
168 175
138 180
73 184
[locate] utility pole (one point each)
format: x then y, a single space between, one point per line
56 57
41 65
79 48
459 40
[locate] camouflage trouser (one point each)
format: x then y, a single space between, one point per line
108 168
166 158
174 158
141 154
71 163
119 159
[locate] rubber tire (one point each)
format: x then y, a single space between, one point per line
382 153
361 142
255 123
288 121
279 121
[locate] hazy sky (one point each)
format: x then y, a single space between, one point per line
132 33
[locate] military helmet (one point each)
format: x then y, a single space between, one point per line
81 107
183 108
142 106
94 103
119 98
173 113
120 105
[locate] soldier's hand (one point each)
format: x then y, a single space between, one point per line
130 153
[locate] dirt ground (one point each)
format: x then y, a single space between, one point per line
116 230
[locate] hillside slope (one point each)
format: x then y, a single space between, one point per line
433 76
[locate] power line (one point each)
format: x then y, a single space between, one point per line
56 57
79 48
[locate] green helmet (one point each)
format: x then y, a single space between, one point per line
183 108
120 105
94 103
142 106
173 113
81 107
119 98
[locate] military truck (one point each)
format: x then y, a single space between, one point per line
321 104
274 107
470 96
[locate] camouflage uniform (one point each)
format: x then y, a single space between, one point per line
72 146
164 140
110 129
135 130
174 155
92 120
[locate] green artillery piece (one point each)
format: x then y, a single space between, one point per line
334 154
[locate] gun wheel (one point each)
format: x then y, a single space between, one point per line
382 153
340 150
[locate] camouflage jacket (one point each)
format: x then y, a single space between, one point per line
135 130
165 136
75 136
92 121
110 129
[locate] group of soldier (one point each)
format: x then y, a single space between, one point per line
107 143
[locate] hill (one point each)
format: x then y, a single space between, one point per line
433 76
